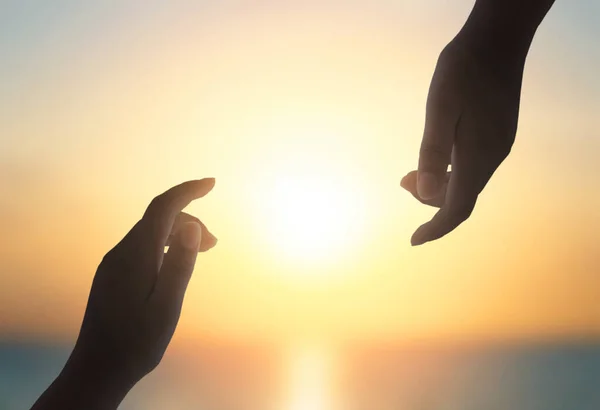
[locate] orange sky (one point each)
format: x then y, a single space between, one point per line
104 109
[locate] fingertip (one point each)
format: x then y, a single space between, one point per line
191 236
416 239
404 183
428 185
211 238
205 186
422 235
409 180
209 241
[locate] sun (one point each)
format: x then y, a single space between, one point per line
313 217
307 202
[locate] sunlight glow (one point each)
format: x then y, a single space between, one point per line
310 381
312 217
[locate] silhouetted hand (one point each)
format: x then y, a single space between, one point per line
134 304
471 122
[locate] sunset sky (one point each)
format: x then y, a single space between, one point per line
308 114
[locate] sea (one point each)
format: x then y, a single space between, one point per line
505 377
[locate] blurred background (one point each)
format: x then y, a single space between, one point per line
308 113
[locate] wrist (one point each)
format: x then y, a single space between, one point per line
504 61
499 34
493 48
94 381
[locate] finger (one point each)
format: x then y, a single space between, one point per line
409 182
181 219
177 268
162 211
208 239
460 199
441 119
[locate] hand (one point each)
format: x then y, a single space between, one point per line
471 122
134 304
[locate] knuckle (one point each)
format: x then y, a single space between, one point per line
465 213
119 261
154 361
155 206
110 258
433 150
502 144
450 53
149 359
506 148
433 155
155 352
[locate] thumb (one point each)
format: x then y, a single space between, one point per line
434 158
178 264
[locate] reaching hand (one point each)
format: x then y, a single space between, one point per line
471 122
134 304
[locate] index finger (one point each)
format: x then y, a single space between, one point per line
162 211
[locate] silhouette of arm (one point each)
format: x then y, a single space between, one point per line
134 305
472 110
504 28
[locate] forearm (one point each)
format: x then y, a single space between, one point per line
86 382
503 29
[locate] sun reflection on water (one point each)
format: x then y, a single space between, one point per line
311 380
